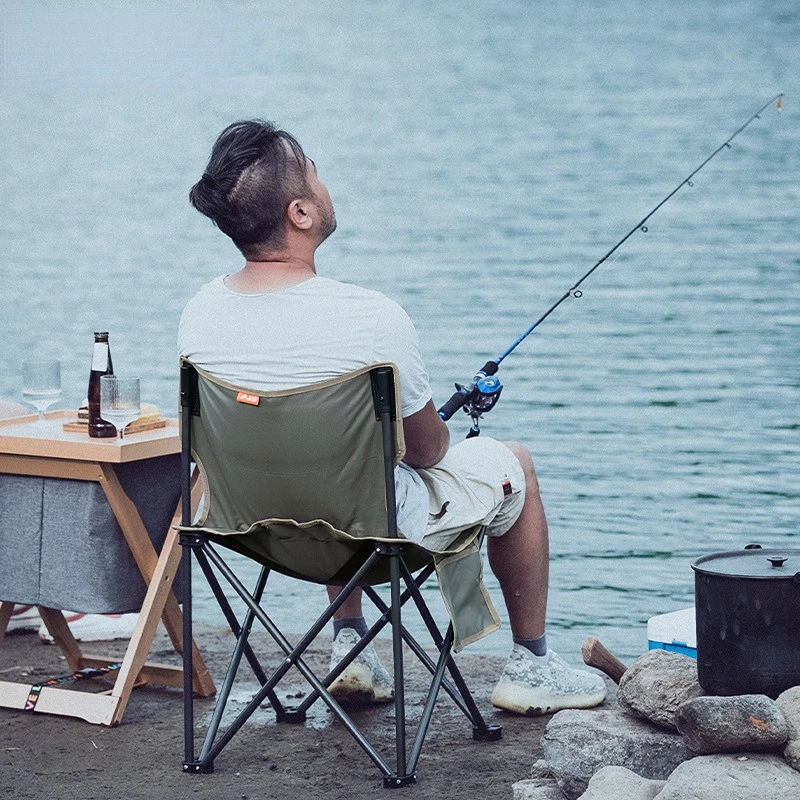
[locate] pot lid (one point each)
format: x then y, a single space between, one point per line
752 562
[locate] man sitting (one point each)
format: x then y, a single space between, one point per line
275 324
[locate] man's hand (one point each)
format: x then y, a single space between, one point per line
427 437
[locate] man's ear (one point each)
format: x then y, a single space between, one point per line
299 214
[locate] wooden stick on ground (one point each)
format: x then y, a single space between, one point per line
595 654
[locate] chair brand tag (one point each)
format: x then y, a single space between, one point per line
246 397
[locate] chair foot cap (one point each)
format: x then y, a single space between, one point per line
491 733
198 767
396 782
292 716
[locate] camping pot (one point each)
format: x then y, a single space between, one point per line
747 605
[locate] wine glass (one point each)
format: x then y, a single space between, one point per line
41 383
119 400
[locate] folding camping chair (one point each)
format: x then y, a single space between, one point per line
302 481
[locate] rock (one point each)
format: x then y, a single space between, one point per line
540 769
618 783
535 789
541 778
656 684
746 722
789 703
578 743
729 777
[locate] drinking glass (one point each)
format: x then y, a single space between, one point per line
41 383
119 401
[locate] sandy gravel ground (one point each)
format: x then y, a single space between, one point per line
44 757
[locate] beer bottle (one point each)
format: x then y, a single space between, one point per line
101 365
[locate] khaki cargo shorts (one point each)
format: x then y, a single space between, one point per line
479 482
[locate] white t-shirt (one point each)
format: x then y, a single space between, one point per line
306 333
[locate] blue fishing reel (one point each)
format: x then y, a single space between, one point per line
485 395
482 400
477 399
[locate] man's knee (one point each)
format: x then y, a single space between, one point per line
526 462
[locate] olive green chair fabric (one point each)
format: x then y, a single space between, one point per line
294 479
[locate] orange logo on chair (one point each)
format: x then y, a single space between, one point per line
246 397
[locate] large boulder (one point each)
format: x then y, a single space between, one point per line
619 783
578 743
656 684
789 703
741 723
730 777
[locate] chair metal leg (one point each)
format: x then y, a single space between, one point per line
293 658
233 666
406 761
190 764
346 591
233 623
188 695
415 646
481 730
403 776
370 635
205 760
427 711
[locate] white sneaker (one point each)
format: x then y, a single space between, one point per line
95 627
24 618
534 685
366 679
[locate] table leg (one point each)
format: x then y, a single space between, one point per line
172 614
57 626
159 573
95 708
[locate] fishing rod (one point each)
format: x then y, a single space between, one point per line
481 395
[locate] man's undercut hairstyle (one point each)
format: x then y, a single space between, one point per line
253 174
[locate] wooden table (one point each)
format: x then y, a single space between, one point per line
30 448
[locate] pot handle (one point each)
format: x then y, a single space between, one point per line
752 547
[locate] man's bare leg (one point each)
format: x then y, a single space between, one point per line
520 558
350 608
535 680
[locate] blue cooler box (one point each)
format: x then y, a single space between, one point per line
675 632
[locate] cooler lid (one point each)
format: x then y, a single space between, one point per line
752 562
675 627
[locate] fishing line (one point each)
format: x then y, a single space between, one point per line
481 395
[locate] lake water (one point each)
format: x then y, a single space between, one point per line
481 157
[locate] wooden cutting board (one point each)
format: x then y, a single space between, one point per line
134 427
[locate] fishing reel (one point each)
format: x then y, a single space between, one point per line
477 399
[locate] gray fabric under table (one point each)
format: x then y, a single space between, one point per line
61 546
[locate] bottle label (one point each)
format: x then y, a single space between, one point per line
100 357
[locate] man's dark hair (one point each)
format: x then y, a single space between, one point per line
253 174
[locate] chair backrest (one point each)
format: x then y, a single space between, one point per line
318 459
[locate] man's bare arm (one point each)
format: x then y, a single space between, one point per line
427 437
